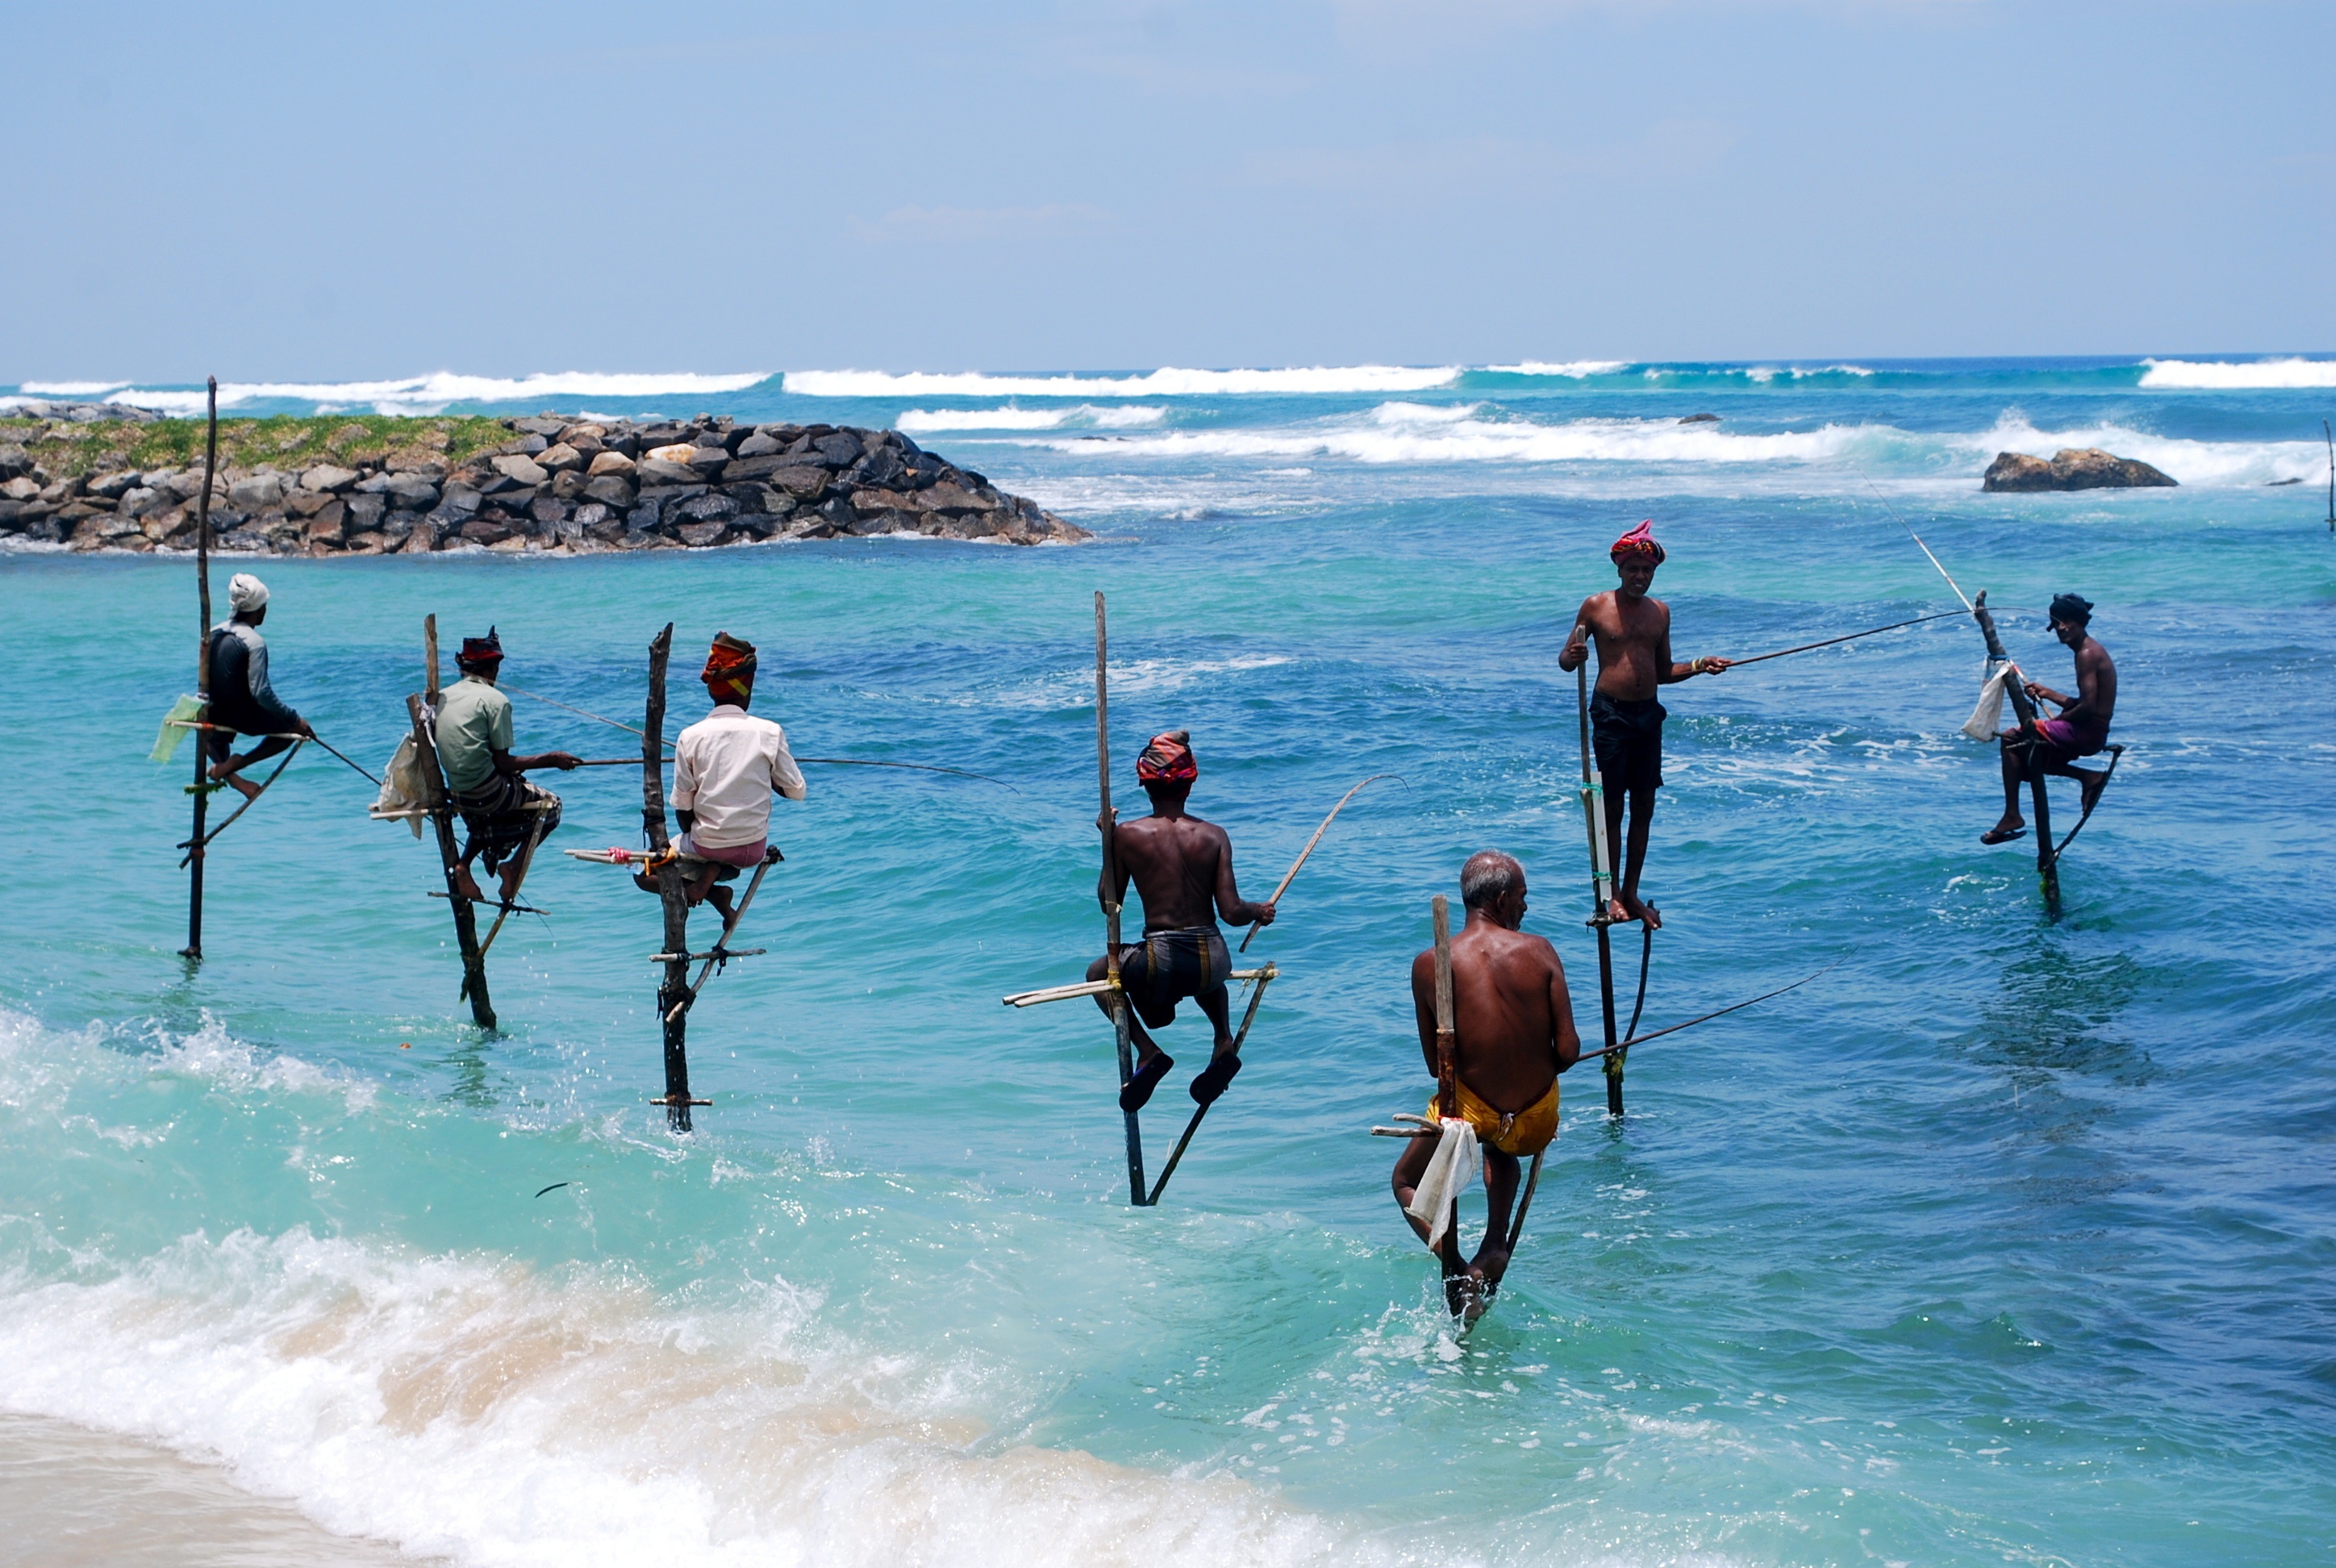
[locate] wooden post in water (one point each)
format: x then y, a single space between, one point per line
194 947
422 710
2047 869
1602 883
1107 821
674 993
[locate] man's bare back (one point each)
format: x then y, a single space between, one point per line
1181 866
1511 1012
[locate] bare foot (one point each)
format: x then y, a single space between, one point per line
510 882
468 885
1640 910
1490 1263
242 786
720 899
1464 1295
2009 828
2088 793
1616 915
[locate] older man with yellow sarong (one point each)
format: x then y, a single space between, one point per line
1514 1023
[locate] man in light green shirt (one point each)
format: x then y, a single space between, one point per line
506 814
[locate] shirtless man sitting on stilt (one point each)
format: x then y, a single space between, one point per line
1181 865
1514 1023
1626 722
2082 730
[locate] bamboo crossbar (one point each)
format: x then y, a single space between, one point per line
716 953
506 905
1103 987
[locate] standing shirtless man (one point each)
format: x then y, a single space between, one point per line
1513 1022
1182 865
2082 728
1626 722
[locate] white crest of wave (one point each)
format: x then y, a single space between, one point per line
34 1057
68 389
1164 382
1573 369
473 1409
436 393
1424 432
2226 375
1012 417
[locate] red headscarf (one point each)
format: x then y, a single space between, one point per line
1168 759
730 666
1639 540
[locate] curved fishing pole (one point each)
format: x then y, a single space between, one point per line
1911 533
1851 636
1292 875
1706 1017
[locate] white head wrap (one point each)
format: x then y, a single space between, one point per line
246 593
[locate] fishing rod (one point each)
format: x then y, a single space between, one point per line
1911 534
2331 437
824 761
1423 1131
1851 636
1275 897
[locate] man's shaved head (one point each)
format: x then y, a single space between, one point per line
1489 877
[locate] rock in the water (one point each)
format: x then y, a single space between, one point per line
2071 468
1700 419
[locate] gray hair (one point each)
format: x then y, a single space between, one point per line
1489 877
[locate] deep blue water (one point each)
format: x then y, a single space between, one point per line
2008 1239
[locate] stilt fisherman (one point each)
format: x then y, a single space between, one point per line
243 701
725 768
1626 723
1513 1034
503 812
1181 866
2082 730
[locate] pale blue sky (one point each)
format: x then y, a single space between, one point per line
313 192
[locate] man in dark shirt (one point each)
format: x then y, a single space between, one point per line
242 700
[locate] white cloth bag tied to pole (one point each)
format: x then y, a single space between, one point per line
1986 721
403 791
1449 1171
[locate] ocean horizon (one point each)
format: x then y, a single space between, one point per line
2006 1239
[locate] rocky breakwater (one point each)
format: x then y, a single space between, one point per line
557 485
2071 468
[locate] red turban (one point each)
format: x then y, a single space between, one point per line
1168 759
729 667
1639 540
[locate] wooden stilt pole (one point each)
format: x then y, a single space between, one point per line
1108 823
1447 1037
1601 882
1240 1036
2048 863
194 947
422 710
673 995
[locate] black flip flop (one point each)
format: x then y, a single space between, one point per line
1138 1089
1211 1080
1995 836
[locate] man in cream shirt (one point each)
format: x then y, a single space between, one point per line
725 767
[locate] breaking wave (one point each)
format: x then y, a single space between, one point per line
1011 417
2226 375
417 395
1164 382
474 1408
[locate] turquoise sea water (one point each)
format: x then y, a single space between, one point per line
2008 1240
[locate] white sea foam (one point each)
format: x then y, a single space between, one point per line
1163 383
69 388
432 394
2227 375
1765 373
1014 417
1413 433
472 1409
1573 369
